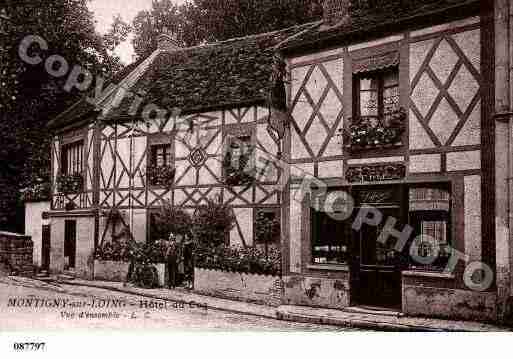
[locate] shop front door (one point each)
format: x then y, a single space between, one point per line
376 267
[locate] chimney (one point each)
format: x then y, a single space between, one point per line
168 42
336 10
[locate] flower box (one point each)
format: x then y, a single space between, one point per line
70 183
111 270
256 288
367 133
162 176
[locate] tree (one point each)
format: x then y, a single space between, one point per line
29 97
147 25
199 21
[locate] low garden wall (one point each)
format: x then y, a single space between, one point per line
16 253
110 270
116 271
264 289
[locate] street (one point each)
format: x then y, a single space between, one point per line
35 305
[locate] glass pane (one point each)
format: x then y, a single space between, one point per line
371 83
329 242
391 99
368 103
168 156
391 79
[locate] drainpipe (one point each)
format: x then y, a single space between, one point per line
503 154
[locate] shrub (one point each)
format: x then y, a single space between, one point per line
70 183
116 250
37 192
235 259
171 220
212 223
132 251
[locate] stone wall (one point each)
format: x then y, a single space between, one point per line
240 286
110 271
449 303
16 254
316 292
118 271
84 246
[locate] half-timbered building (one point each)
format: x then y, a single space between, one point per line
391 108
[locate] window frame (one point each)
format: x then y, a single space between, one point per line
78 147
167 150
233 133
415 219
313 216
357 78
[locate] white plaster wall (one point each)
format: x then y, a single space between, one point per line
472 203
34 226
295 233
244 218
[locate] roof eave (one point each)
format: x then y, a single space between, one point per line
459 11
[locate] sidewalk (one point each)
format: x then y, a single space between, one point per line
352 317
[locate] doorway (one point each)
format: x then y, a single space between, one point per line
70 244
376 267
45 248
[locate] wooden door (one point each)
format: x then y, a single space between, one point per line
379 267
376 267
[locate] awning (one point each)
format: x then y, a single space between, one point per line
380 62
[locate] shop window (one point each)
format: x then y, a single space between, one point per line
431 220
330 237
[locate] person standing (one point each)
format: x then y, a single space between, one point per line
172 263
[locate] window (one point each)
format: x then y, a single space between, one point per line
377 93
161 155
330 237
430 218
72 158
237 164
161 171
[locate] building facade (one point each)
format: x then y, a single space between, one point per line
394 140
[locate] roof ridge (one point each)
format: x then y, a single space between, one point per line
240 38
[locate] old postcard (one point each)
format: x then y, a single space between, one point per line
242 165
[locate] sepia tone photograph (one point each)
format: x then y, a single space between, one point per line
256 165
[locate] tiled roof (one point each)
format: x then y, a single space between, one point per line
231 73
82 108
383 19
